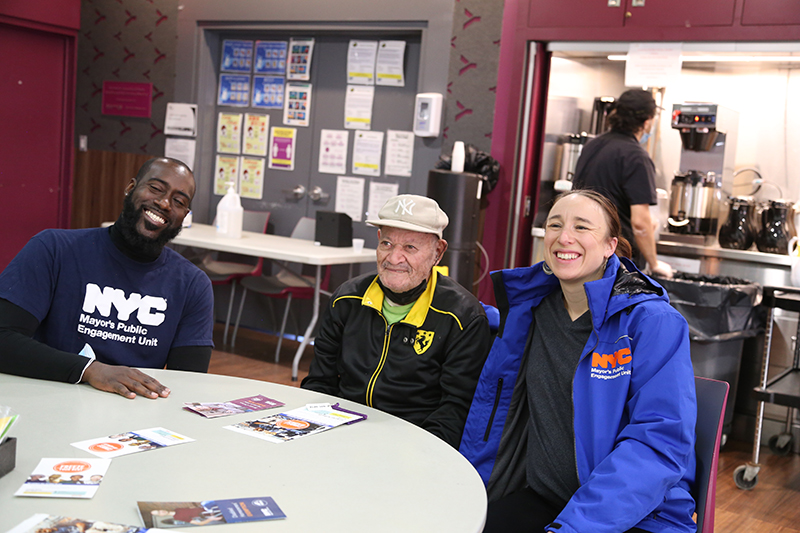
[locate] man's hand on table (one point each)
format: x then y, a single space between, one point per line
124 381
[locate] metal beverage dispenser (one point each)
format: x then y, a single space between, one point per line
708 138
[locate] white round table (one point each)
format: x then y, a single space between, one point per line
380 475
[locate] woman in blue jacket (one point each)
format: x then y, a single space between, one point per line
583 419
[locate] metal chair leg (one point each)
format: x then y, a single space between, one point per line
238 317
228 317
283 326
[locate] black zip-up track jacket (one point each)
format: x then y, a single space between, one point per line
423 369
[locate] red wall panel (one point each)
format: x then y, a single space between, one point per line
36 110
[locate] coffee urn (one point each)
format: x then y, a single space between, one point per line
708 143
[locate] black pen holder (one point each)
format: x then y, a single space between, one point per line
8 456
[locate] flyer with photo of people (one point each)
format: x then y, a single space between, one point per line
140 440
65 478
164 515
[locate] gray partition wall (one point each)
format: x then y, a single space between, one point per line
203 25
425 26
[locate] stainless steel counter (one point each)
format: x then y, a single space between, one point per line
766 269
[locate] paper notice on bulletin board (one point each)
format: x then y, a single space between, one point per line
225 170
399 153
379 194
333 151
251 178
361 62
234 90
180 149
281 149
237 56
270 58
367 151
350 197
256 134
268 92
652 64
181 119
358 107
229 129
300 53
298 104
389 64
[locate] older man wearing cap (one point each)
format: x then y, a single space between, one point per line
409 341
618 167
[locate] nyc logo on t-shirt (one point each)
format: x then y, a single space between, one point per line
148 310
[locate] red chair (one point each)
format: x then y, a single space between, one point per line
712 395
229 272
285 284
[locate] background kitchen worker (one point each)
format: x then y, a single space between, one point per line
617 166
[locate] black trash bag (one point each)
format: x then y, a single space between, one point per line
476 162
717 308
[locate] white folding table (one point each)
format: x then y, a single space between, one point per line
281 249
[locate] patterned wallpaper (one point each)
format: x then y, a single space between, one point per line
474 58
135 41
131 41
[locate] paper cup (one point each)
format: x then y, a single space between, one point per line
358 245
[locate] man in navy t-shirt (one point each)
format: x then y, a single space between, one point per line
87 305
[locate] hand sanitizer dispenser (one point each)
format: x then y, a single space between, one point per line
230 214
428 114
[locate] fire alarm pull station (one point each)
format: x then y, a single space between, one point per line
427 114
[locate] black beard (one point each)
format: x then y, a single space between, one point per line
138 242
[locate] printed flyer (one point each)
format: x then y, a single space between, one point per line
140 440
300 52
256 134
268 92
232 407
301 422
333 151
41 523
65 478
271 58
229 133
237 56
298 104
234 90
251 178
227 169
282 148
165 515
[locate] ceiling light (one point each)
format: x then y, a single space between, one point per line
729 59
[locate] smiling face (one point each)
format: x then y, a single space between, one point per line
576 240
405 258
161 198
156 204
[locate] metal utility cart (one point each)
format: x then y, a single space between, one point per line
783 389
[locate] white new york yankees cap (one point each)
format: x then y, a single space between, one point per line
412 213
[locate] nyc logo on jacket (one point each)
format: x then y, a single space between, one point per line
612 365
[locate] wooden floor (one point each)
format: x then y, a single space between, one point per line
773 506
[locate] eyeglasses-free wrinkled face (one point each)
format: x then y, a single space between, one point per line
406 258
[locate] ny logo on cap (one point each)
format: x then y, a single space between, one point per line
405 205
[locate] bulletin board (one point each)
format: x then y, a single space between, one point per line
316 109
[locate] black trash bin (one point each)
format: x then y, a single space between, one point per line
721 312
